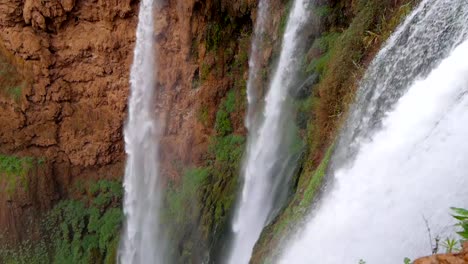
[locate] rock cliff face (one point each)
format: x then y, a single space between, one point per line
71 60
63 97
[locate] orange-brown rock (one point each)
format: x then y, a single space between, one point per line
18 209
74 59
456 258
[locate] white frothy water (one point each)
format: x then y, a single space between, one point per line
139 242
266 167
254 64
414 166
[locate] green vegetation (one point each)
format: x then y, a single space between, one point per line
180 199
82 230
291 216
339 57
462 216
27 253
341 66
223 125
205 71
203 115
284 18
450 245
316 181
324 45
213 39
12 83
197 207
14 170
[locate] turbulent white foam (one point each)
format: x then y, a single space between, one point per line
139 242
413 167
267 166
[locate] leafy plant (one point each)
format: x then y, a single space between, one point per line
450 245
462 216
407 261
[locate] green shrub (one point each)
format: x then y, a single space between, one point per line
230 102
87 229
77 231
462 216
227 151
223 124
26 253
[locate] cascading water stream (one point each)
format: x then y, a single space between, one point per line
267 166
409 153
254 65
425 38
139 242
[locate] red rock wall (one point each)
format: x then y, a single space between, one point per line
75 58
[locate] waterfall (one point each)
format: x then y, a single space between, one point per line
402 158
266 169
254 64
139 242
426 37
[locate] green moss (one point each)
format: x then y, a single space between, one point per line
14 170
203 115
223 125
205 71
273 235
322 11
15 92
213 39
12 83
78 231
26 253
284 18
316 181
324 44
343 50
230 102
182 203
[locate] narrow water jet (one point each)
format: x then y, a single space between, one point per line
255 67
403 155
267 167
139 242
